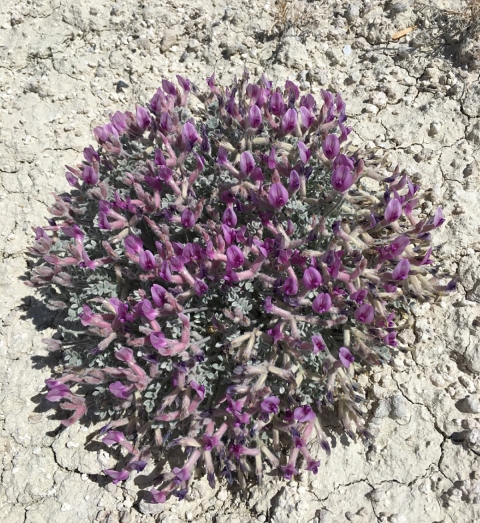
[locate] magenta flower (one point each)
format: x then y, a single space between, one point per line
439 218
229 217
318 344
322 303
304 151
117 476
146 260
119 390
390 339
255 116
147 310
307 117
346 357
199 389
235 257
331 146
125 354
311 278
188 219
289 121
133 244
359 296
158 340
277 195
277 105
289 471
313 465
57 392
247 162
89 175
290 287
143 118
200 287
190 135
393 211
365 313
113 437
270 405
401 270
304 413
342 178
158 295
294 181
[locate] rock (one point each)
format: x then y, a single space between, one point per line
471 404
169 39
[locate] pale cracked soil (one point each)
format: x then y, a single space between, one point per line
415 100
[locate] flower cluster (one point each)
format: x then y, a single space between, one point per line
224 276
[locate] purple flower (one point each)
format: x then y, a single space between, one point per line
399 245
158 295
289 121
119 121
288 471
143 118
229 217
166 122
390 339
57 392
439 218
133 244
270 405
117 476
294 181
272 159
89 175
235 257
290 287
277 105
311 278
393 211
119 390
158 340
307 117
401 270
390 288
184 83
318 343
169 87
342 178
124 354
200 287
277 195
304 151
113 437
255 116
365 313
346 357
199 389
304 413
247 163
188 219
331 146
359 296
190 136
137 465
146 260
313 465
322 303
147 310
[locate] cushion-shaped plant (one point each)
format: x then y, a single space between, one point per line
224 277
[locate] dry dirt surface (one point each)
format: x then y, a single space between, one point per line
413 100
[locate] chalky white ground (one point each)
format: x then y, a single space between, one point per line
411 100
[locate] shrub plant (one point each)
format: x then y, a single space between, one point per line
224 277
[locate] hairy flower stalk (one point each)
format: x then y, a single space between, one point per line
210 258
